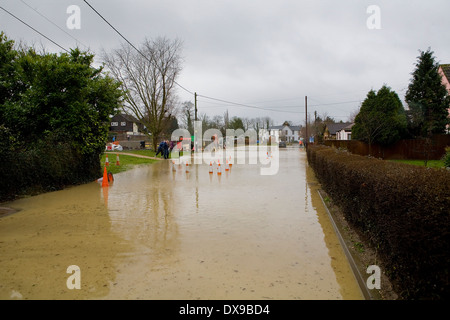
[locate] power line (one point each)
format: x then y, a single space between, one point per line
271 108
53 23
334 103
219 105
211 98
246 105
34 29
123 37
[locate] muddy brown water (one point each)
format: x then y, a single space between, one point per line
163 234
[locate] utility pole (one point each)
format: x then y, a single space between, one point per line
195 125
306 121
195 99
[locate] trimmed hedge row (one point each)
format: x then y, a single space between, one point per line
402 210
46 165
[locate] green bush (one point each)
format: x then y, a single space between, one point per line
402 210
54 115
49 164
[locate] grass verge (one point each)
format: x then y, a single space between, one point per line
126 162
147 153
421 163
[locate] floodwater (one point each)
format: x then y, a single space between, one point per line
163 234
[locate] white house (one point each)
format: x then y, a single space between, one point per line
338 131
287 132
345 133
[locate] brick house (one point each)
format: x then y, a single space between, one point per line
124 123
444 72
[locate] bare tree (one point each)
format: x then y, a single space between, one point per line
206 122
187 116
218 122
226 119
248 123
148 78
268 122
353 115
370 128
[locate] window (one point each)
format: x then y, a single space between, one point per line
114 124
123 124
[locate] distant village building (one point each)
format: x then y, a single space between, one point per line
338 131
345 133
287 132
124 123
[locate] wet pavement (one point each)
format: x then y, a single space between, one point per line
156 233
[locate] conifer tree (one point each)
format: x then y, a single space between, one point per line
427 98
381 118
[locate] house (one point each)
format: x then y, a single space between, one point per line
124 123
345 133
286 132
444 71
338 131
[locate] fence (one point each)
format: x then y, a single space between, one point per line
417 149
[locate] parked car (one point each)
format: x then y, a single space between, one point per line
113 147
282 144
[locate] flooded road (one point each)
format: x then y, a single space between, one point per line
163 234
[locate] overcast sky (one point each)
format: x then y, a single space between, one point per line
267 54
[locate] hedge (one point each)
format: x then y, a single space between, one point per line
402 210
47 165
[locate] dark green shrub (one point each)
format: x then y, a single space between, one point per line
49 164
54 115
402 210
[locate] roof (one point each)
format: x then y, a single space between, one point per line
276 127
335 127
127 117
349 127
293 128
446 69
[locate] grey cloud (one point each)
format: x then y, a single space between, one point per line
251 51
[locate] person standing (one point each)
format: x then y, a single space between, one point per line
160 149
166 149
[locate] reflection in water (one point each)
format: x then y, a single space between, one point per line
166 234
52 232
339 262
242 236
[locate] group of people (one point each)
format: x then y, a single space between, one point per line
165 147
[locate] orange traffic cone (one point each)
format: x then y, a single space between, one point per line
173 166
227 167
230 164
187 166
219 169
107 161
210 168
117 160
105 178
